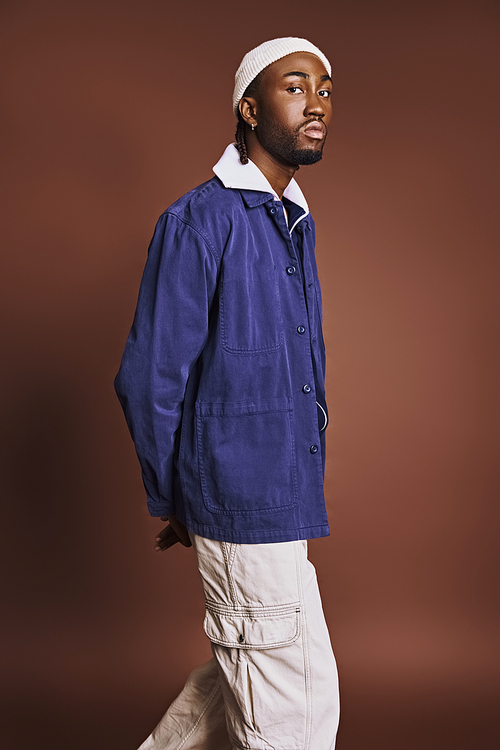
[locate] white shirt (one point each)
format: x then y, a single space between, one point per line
233 174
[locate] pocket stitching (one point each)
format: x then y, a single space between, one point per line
250 614
239 350
239 410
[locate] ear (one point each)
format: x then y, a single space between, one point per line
248 109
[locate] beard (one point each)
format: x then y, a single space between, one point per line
283 144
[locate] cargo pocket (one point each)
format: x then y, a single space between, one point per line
246 457
263 673
255 628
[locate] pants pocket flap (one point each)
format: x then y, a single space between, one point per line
253 628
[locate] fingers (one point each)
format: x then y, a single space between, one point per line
173 533
166 539
180 530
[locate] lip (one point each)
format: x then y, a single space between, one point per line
315 129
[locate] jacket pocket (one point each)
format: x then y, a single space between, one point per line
250 310
256 628
246 456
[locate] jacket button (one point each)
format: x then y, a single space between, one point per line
241 639
306 388
290 270
272 210
301 329
314 448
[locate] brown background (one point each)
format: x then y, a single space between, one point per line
111 110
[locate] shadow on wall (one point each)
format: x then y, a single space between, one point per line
44 473
82 658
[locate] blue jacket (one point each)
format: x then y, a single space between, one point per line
225 363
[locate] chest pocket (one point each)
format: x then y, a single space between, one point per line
250 308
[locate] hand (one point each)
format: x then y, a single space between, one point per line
171 534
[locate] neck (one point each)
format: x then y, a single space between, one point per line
277 172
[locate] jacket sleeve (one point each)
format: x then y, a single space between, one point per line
168 334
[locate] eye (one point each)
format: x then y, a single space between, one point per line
294 89
325 93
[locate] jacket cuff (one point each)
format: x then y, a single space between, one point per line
158 509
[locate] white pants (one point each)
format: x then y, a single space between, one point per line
272 684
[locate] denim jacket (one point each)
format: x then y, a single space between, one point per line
222 378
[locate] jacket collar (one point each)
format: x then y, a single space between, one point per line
233 174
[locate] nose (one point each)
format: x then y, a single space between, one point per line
316 105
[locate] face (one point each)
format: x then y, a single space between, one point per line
293 108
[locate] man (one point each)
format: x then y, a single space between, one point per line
222 384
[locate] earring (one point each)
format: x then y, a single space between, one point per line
252 126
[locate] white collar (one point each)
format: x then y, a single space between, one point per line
233 174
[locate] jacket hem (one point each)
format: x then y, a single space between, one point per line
257 537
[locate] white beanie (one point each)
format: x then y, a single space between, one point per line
259 58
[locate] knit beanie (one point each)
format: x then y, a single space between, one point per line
259 58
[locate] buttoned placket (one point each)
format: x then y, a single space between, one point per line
296 269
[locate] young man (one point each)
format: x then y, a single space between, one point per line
222 384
